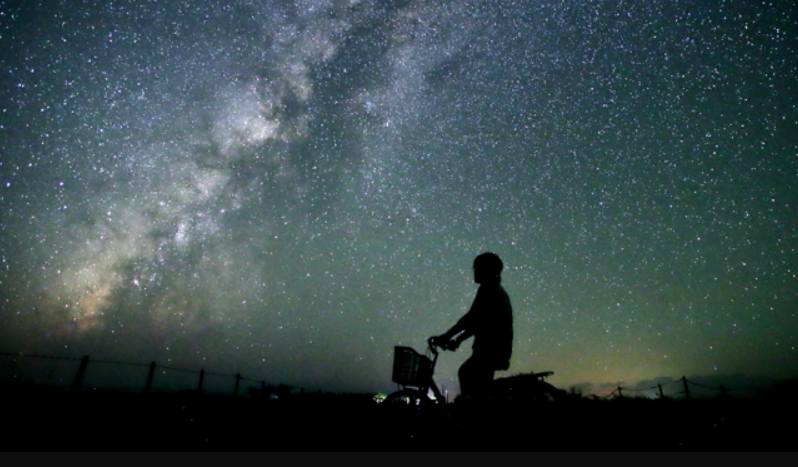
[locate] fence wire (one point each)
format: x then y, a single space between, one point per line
30 355
238 377
639 389
721 389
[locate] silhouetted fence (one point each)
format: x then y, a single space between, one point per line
685 384
154 370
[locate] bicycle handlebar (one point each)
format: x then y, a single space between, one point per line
432 345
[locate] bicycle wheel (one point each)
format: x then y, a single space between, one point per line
550 393
524 389
410 399
408 411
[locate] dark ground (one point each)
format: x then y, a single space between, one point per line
47 420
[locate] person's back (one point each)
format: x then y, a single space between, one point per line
493 336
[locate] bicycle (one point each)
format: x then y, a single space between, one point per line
413 371
410 409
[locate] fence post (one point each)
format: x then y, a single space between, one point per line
149 378
81 371
686 389
202 377
722 392
660 391
238 379
620 394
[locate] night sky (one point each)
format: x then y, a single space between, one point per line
290 189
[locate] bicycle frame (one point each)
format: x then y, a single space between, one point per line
432 385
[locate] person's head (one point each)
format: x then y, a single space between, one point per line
487 268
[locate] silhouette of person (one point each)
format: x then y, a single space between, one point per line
490 321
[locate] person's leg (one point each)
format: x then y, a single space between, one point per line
475 380
475 375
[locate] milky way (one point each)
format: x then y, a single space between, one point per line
289 189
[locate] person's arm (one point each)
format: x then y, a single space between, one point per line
464 325
468 332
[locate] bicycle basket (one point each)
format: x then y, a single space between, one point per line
410 368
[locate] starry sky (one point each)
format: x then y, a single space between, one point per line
288 189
